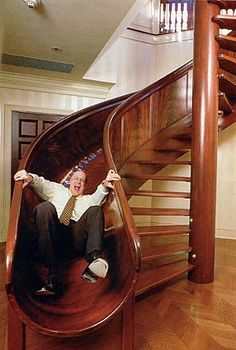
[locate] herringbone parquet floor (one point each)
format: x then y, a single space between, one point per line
182 316
189 316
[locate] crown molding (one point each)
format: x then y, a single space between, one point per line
51 85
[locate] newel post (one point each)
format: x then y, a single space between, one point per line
204 143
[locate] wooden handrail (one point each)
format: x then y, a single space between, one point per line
118 147
12 234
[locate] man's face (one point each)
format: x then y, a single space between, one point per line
77 183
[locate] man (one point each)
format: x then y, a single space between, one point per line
68 220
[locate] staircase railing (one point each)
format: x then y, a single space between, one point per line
139 120
167 16
176 15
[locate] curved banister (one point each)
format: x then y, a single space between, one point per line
46 157
11 241
118 148
25 164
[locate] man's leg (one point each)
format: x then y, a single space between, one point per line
49 235
88 235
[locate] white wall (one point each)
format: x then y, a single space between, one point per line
137 60
226 188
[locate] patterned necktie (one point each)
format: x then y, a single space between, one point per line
67 211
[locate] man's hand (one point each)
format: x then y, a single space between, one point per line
22 175
111 176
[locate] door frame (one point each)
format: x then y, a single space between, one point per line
5 158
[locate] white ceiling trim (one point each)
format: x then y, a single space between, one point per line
41 84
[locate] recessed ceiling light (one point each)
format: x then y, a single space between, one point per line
32 3
56 49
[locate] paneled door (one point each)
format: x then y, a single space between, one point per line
25 128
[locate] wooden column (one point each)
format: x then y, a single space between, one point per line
204 143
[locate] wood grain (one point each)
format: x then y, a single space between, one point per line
182 316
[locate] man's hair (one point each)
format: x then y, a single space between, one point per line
76 170
65 182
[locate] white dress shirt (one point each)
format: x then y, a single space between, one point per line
58 195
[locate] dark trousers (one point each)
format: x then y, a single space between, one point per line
55 241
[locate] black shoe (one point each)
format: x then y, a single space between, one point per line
52 287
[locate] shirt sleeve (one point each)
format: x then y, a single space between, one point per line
42 187
99 196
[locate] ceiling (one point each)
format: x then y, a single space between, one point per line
78 28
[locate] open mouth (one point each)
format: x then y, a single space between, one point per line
76 187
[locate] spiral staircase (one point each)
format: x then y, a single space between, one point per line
151 138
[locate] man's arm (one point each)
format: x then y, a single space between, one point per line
42 187
22 175
111 176
99 196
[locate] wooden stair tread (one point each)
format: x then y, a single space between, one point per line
152 253
228 85
150 279
159 194
225 122
185 134
157 177
167 162
160 211
227 63
225 4
178 148
174 145
227 42
224 104
162 230
225 21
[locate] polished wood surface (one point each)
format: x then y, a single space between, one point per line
228 85
227 63
227 42
159 211
204 143
224 4
83 308
205 123
225 21
139 142
163 230
149 130
182 316
189 316
159 194
224 104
